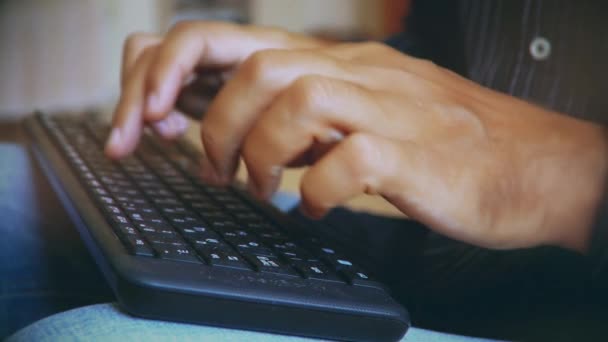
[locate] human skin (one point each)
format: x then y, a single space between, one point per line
469 162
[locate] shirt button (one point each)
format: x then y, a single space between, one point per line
540 48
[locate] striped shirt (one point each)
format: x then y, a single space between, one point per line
553 53
550 52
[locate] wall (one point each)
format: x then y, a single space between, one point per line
65 54
310 15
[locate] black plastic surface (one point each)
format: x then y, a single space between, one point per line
186 292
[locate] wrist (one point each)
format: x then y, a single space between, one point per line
581 187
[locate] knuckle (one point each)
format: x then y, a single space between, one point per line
426 65
376 47
362 157
187 27
133 40
261 64
146 54
308 93
182 27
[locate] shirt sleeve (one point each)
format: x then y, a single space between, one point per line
598 250
407 43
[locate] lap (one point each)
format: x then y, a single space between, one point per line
106 322
446 285
451 286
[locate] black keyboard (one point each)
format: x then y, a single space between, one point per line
175 248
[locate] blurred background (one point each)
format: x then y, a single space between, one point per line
65 54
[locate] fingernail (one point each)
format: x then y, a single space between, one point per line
115 138
336 136
275 171
180 122
332 136
163 127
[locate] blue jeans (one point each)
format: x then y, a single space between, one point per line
446 285
106 322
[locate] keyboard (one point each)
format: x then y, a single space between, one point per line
175 248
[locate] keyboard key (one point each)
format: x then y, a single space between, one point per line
131 200
215 215
157 192
166 201
140 216
189 197
185 188
126 230
140 209
338 262
317 271
151 229
226 199
158 241
209 243
284 246
269 264
119 219
234 207
191 225
106 199
138 246
298 255
204 206
260 227
200 234
250 245
247 216
225 225
177 254
234 234
360 278
112 209
184 220
177 209
224 259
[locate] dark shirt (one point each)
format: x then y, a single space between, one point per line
553 53
490 42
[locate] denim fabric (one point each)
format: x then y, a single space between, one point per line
44 267
105 322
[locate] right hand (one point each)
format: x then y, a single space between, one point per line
202 54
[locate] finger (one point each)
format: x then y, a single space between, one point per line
195 97
191 45
171 127
134 45
257 83
314 113
128 121
360 164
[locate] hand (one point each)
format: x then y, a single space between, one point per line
193 59
468 162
